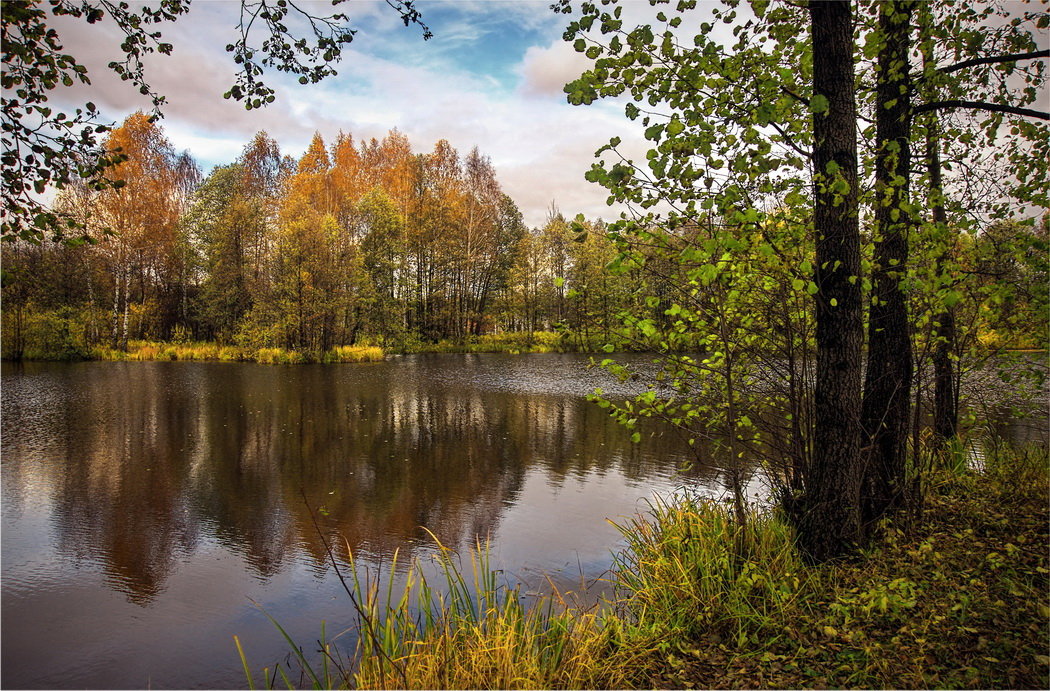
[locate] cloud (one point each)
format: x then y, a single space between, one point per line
530 15
192 79
208 149
546 70
541 147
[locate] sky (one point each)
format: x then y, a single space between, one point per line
491 77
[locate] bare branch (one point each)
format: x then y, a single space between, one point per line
992 59
981 105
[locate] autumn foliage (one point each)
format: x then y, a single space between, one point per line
355 242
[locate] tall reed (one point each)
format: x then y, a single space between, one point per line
475 631
700 600
688 571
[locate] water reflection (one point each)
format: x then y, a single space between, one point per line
145 503
141 462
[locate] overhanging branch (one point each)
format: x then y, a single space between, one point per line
992 59
981 105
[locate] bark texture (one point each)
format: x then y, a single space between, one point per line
945 390
827 514
887 384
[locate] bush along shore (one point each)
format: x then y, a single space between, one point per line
954 598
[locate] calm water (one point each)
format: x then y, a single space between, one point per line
148 506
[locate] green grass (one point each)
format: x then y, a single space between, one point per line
514 343
690 572
56 343
526 342
957 600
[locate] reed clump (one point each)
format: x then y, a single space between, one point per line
691 572
470 629
278 356
467 629
475 631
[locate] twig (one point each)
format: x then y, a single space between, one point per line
366 620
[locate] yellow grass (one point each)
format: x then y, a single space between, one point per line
201 352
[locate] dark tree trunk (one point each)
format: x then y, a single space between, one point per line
827 514
945 403
887 384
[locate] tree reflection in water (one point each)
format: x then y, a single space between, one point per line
146 460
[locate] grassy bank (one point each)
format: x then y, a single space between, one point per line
147 350
514 343
958 599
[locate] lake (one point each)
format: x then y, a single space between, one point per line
151 509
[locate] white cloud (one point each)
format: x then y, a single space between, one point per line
545 71
533 15
207 149
541 147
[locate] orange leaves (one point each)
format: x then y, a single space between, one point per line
144 213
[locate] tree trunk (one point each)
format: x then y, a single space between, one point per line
945 409
887 401
91 325
114 336
827 514
127 308
945 384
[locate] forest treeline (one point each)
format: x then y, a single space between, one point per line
355 242
369 243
